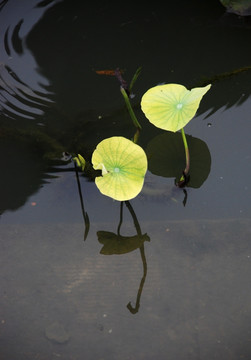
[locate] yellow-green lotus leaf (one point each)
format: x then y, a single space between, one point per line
123 165
171 106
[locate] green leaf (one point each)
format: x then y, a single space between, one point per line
171 106
123 165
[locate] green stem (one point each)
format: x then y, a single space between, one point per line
136 136
135 77
184 177
130 109
186 152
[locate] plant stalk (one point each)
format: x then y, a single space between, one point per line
120 217
186 171
130 109
185 177
135 77
135 220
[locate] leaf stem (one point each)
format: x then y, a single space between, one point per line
185 177
135 220
186 152
135 77
120 217
130 109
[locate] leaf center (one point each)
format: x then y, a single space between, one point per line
179 106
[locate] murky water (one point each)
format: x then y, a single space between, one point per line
176 283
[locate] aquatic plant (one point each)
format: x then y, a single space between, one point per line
123 165
79 161
170 107
126 91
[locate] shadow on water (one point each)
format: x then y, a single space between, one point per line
17 181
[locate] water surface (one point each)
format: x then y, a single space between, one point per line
180 287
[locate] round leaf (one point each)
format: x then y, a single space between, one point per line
171 106
123 165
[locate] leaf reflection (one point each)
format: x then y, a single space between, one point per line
85 215
114 244
166 157
118 244
135 309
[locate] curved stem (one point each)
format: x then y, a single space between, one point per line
120 217
135 309
135 220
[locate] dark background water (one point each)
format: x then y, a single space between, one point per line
192 279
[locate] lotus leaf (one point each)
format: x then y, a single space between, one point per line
171 106
123 165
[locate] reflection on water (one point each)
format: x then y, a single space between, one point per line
118 244
24 92
197 287
166 157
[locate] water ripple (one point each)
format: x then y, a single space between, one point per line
24 91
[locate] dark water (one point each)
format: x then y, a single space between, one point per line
177 282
